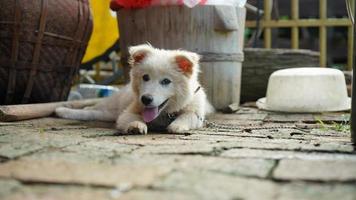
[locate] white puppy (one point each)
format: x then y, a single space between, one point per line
164 93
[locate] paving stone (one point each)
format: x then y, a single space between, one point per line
299 190
101 147
249 110
14 134
210 136
321 132
216 186
245 167
317 170
49 122
84 131
62 192
149 139
40 135
58 171
325 117
16 149
235 122
88 160
17 145
289 134
278 155
306 134
244 117
240 167
333 117
96 133
8 186
144 159
202 133
187 148
272 117
90 151
154 195
285 144
234 141
5 131
62 127
209 185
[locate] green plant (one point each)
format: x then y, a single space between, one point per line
343 126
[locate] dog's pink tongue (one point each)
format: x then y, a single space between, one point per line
150 114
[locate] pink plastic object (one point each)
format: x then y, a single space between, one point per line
129 4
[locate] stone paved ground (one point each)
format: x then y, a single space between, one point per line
61 159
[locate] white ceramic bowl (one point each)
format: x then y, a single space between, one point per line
306 90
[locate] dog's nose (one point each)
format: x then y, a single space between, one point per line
147 99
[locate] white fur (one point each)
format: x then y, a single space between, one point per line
125 107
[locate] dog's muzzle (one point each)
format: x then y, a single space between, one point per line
150 113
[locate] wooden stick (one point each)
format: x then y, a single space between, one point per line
31 111
268 30
295 29
323 33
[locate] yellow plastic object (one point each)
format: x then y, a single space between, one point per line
105 31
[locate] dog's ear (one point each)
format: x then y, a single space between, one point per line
139 53
186 62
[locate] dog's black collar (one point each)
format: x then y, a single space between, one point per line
173 116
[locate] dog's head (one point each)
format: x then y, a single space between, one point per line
162 79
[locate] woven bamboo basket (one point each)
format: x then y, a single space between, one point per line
42 43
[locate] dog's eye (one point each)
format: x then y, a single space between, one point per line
165 81
146 77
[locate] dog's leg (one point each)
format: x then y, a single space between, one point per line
85 114
131 123
185 122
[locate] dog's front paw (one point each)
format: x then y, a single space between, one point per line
137 127
178 128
